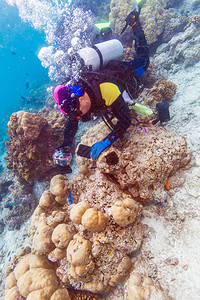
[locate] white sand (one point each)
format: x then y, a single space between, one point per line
175 232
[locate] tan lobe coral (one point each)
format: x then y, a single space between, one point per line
94 220
125 212
61 236
47 199
77 212
58 188
79 251
33 277
143 288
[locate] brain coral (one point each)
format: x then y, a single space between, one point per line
34 277
91 248
32 143
144 160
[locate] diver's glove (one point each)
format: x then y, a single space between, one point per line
99 147
132 18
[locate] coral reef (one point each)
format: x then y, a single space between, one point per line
17 203
34 277
143 161
19 211
141 287
119 11
87 239
161 90
32 142
193 20
181 51
153 18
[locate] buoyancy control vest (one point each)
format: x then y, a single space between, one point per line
116 72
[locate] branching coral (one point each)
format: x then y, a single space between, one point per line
31 145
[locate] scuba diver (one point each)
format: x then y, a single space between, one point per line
102 92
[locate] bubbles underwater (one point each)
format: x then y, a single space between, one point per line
21 70
26 27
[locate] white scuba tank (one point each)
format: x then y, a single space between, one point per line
100 54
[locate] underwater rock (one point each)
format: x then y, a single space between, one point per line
182 50
33 140
92 252
147 156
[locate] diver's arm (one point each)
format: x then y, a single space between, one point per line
70 131
121 112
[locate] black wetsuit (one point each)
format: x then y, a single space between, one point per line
106 92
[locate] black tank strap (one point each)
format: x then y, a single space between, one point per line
100 56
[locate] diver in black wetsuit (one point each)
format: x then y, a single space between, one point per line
94 92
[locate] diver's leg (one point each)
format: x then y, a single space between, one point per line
141 63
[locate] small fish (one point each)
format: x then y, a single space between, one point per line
12 52
27 85
27 74
23 98
13 204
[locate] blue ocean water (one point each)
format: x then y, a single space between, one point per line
21 72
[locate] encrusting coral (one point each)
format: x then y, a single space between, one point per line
90 248
193 20
31 145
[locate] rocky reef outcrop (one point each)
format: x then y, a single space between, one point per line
33 139
143 162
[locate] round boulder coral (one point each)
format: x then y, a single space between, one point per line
94 220
125 212
77 212
79 251
34 277
142 287
61 236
